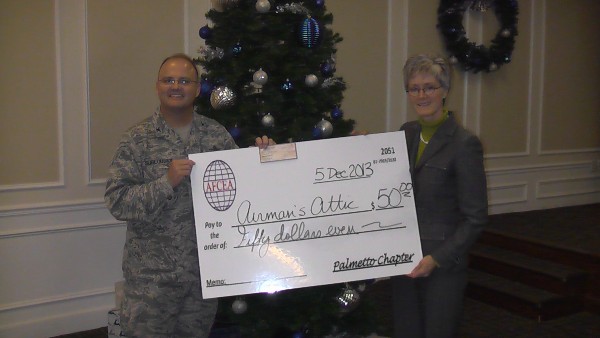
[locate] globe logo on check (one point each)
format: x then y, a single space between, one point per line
219 185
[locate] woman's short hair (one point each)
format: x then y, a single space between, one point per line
431 64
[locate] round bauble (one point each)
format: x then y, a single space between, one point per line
205 32
263 6
236 49
235 132
268 121
239 306
323 129
287 86
327 69
222 97
206 88
348 300
260 77
336 113
311 80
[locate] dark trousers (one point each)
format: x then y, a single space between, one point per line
429 307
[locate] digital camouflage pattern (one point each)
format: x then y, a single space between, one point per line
161 238
160 245
149 307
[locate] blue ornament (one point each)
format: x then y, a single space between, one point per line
310 32
236 49
298 334
327 69
287 86
336 113
205 32
235 132
316 133
319 3
206 88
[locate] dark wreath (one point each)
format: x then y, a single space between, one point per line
470 55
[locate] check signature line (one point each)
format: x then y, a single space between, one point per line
256 281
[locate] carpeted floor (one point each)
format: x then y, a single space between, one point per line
484 321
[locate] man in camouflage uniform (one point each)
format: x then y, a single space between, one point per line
149 187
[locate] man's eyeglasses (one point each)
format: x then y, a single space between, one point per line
171 81
426 90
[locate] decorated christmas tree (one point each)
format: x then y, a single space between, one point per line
269 69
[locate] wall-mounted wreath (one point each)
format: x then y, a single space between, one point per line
470 55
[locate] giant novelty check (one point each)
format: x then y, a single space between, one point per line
304 214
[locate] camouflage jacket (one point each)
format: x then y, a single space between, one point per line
160 244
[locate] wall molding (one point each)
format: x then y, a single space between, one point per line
508 155
57 299
58 229
33 186
52 207
59 94
579 186
523 169
569 151
520 195
48 219
87 116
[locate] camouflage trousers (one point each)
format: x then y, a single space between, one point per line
166 310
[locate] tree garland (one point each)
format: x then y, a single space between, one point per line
470 55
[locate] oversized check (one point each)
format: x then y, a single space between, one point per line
304 214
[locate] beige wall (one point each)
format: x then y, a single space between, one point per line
29 126
76 74
122 60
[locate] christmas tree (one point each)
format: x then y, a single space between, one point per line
269 69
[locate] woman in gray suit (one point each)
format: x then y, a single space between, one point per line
446 164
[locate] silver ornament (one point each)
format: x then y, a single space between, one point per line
263 6
208 53
493 67
332 81
268 121
239 306
260 77
325 127
348 300
222 97
295 8
223 5
505 33
311 80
